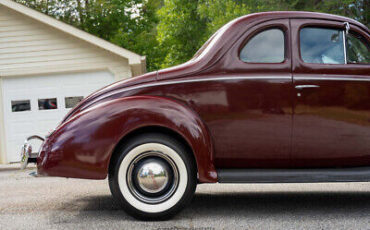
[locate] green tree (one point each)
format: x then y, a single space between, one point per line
176 30
356 9
180 30
169 32
140 35
219 12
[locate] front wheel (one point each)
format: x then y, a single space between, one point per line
154 176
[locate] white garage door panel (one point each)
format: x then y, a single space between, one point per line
20 125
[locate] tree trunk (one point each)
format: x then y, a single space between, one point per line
80 13
47 7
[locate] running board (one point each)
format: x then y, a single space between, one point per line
359 174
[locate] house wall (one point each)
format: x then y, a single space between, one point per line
2 128
30 48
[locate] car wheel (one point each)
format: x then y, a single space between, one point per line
152 176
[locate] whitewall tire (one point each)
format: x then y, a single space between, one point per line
152 176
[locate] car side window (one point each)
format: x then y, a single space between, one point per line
322 45
267 46
358 51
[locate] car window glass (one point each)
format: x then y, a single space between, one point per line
322 45
267 46
357 49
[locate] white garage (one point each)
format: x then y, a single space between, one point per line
39 107
46 68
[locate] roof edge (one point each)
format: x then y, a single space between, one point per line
132 57
302 14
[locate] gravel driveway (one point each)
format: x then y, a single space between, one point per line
59 203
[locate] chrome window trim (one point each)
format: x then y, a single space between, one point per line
344 48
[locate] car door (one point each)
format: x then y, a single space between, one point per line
253 127
331 122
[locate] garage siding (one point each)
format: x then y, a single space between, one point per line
2 128
28 47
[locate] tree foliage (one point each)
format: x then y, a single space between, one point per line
169 32
217 13
179 30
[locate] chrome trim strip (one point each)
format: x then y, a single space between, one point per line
220 79
205 80
239 78
332 78
344 48
122 90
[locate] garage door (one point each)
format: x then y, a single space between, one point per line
35 105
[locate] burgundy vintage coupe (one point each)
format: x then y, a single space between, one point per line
271 97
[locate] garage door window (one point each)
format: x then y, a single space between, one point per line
48 103
20 106
71 102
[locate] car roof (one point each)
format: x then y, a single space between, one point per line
296 14
214 48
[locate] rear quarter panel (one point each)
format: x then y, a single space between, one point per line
83 145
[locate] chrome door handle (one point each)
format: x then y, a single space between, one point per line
306 86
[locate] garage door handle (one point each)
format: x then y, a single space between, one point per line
306 86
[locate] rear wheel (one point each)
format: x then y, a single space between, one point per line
153 177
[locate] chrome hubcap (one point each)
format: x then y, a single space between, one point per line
152 177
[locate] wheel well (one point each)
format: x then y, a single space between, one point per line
152 129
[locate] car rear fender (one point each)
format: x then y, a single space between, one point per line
90 137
